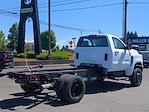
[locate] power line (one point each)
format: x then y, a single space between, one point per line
8 13
138 3
45 5
90 7
106 5
74 2
17 9
72 28
62 1
67 27
97 6
45 23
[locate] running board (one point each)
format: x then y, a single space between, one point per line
121 78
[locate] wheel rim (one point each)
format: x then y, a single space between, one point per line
76 89
139 78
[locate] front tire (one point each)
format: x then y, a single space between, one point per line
136 77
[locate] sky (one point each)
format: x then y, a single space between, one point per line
105 16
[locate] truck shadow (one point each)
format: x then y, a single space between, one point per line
30 101
106 86
2 75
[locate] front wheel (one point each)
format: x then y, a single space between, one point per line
136 77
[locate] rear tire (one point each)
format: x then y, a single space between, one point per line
73 89
32 89
136 77
59 84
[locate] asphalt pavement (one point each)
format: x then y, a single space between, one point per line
109 96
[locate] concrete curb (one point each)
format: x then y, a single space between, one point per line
44 62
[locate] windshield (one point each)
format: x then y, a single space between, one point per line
93 41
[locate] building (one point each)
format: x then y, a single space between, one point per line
142 42
29 46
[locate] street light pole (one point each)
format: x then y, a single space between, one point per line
49 30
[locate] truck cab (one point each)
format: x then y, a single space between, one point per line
107 51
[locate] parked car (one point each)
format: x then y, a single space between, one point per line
6 59
145 55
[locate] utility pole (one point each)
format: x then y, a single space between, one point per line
125 21
49 30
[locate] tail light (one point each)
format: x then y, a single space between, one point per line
93 36
32 78
5 56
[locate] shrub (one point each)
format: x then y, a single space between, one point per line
56 49
30 55
62 55
27 55
42 56
15 54
21 55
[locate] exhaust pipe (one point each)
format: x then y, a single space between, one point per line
47 86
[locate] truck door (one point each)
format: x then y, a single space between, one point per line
121 55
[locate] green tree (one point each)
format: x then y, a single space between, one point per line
45 39
132 34
3 41
135 34
13 37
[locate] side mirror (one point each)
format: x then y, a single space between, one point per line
136 47
127 47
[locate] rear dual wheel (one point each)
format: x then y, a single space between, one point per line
70 88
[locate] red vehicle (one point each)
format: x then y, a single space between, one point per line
6 59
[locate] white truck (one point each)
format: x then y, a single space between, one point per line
96 57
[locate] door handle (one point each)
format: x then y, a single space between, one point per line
116 53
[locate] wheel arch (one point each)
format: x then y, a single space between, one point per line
139 65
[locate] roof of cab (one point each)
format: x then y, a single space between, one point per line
108 35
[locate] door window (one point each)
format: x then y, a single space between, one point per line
118 44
